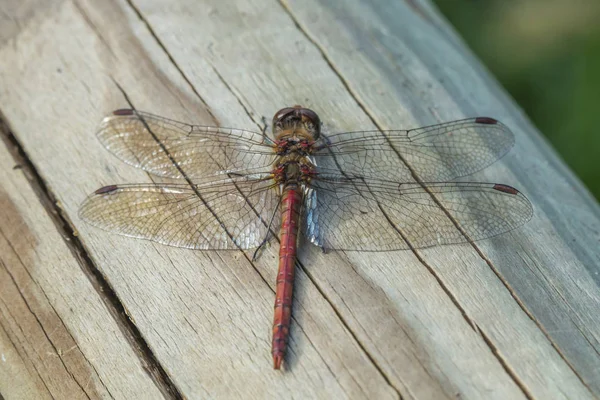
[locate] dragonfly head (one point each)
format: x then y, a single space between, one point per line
296 121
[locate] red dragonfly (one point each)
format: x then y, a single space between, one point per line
364 191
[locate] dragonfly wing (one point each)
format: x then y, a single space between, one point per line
435 153
220 215
155 143
350 214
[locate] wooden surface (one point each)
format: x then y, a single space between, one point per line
103 316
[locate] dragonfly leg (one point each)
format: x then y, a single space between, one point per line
261 246
265 126
267 235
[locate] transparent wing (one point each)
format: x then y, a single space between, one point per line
200 151
220 215
352 214
436 153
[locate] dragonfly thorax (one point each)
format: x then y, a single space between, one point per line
293 144
293 169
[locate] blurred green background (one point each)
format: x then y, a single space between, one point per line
546 53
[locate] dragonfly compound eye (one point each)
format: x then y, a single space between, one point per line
311 121
282 115
297 116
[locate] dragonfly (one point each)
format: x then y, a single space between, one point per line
354 191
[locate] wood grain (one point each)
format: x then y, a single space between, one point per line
55 329
511 317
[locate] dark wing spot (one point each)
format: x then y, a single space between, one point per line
505 188
486 120
106 189
123 111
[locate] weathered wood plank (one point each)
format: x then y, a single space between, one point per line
15 15
379 85
18 380
55 329
566 312
205 315
475 321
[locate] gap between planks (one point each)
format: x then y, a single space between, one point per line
103 288
42 327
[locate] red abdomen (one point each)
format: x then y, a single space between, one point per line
290 209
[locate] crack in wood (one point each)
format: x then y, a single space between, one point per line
228 86
556 347
172 60
505 365
354 335
80 253
41 325
19 353
94 28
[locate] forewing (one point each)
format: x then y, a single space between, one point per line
164 147
435 153
220 215
350 214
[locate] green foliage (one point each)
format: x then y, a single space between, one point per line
547 55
